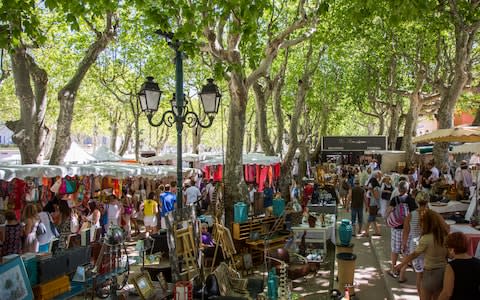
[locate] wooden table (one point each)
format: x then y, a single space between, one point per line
473 236
451 207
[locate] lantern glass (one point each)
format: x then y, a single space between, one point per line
210 97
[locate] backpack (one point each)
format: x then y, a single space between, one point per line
398 214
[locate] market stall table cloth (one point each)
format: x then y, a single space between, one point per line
473 236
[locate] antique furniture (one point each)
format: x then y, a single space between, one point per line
296 265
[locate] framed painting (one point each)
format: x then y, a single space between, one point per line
144 286
14 283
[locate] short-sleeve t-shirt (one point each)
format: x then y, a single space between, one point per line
193 194
435 255
149 207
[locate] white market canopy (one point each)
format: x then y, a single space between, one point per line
190 157
77 155
116 170
248 159
466 134
105 154
466 148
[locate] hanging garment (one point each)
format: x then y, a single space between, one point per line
218 175
270 175
263 178
276 171
258 169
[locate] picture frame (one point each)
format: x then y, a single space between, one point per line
14 282
144 285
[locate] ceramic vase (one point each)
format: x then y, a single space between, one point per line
345 232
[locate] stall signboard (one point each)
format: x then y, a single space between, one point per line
354 143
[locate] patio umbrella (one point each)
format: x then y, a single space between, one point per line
467 134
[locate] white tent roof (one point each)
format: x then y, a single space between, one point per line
190 157
467 148
117 170
105 154
248 159
77 155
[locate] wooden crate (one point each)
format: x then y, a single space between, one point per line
262 225
51 289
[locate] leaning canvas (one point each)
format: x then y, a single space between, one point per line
14 283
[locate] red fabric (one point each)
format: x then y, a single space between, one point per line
307 194
276 171
258 174
206 172
472 242
249 173
117 187
263 178
19 190
218 175
270 175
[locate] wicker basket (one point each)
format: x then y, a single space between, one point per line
296 218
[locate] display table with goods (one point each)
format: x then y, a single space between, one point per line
448 207
326 202
323 230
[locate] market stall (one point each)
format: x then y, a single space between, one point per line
257 168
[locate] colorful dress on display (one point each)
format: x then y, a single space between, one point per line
12 243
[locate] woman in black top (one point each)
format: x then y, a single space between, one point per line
461 280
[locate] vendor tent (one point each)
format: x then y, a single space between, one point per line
105 154
466 134
77 155
117 170
188 157
248 159
467 148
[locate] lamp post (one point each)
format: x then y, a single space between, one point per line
179 114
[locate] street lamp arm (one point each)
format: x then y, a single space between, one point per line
168 119
192 120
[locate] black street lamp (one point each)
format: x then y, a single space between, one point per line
149 98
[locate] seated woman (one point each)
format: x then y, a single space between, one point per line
208 245
458 282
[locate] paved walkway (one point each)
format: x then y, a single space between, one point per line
373 260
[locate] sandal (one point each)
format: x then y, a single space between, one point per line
394 275
402 280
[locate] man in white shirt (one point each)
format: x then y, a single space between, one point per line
463 181
192 193
435 173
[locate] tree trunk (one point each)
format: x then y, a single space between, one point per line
464 39
410 128
196 138
396 110
277 103
381 125
114 120
476 121
67 95
261 116
233 179
126 138
30 131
